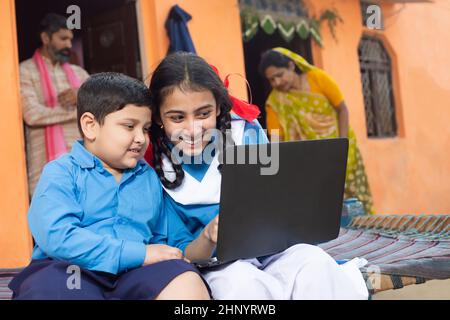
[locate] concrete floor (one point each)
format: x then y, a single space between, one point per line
430 290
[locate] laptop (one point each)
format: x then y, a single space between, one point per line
301 202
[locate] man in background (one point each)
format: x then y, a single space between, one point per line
48 86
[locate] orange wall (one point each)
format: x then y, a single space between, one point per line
15 242
215 30
410 173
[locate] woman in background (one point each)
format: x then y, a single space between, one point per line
306 104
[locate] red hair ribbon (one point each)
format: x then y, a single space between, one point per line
245 110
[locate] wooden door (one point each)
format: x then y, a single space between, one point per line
111 42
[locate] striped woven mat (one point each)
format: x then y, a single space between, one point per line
401 249
6 276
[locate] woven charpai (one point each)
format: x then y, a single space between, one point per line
400 249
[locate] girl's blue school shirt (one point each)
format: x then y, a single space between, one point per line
80 214
187 221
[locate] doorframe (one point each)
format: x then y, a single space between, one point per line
149 41
15 237
141 39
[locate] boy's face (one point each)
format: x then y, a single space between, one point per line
123 138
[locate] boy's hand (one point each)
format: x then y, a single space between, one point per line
211 230
161 252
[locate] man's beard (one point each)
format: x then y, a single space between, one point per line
62 55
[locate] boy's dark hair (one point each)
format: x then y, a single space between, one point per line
51 23
272 58
108 92
185 71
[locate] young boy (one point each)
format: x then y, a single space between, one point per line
96 215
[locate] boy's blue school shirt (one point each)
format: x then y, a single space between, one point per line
80 214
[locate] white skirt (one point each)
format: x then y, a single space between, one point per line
300 272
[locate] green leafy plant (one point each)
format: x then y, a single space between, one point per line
332 17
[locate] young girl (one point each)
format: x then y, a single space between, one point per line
192 116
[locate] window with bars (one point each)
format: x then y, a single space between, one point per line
376 78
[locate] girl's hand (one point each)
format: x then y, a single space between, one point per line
203 246
161 252
211 230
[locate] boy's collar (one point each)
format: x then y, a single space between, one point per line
87 160
82 156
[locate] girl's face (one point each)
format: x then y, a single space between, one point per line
189 117
280 78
